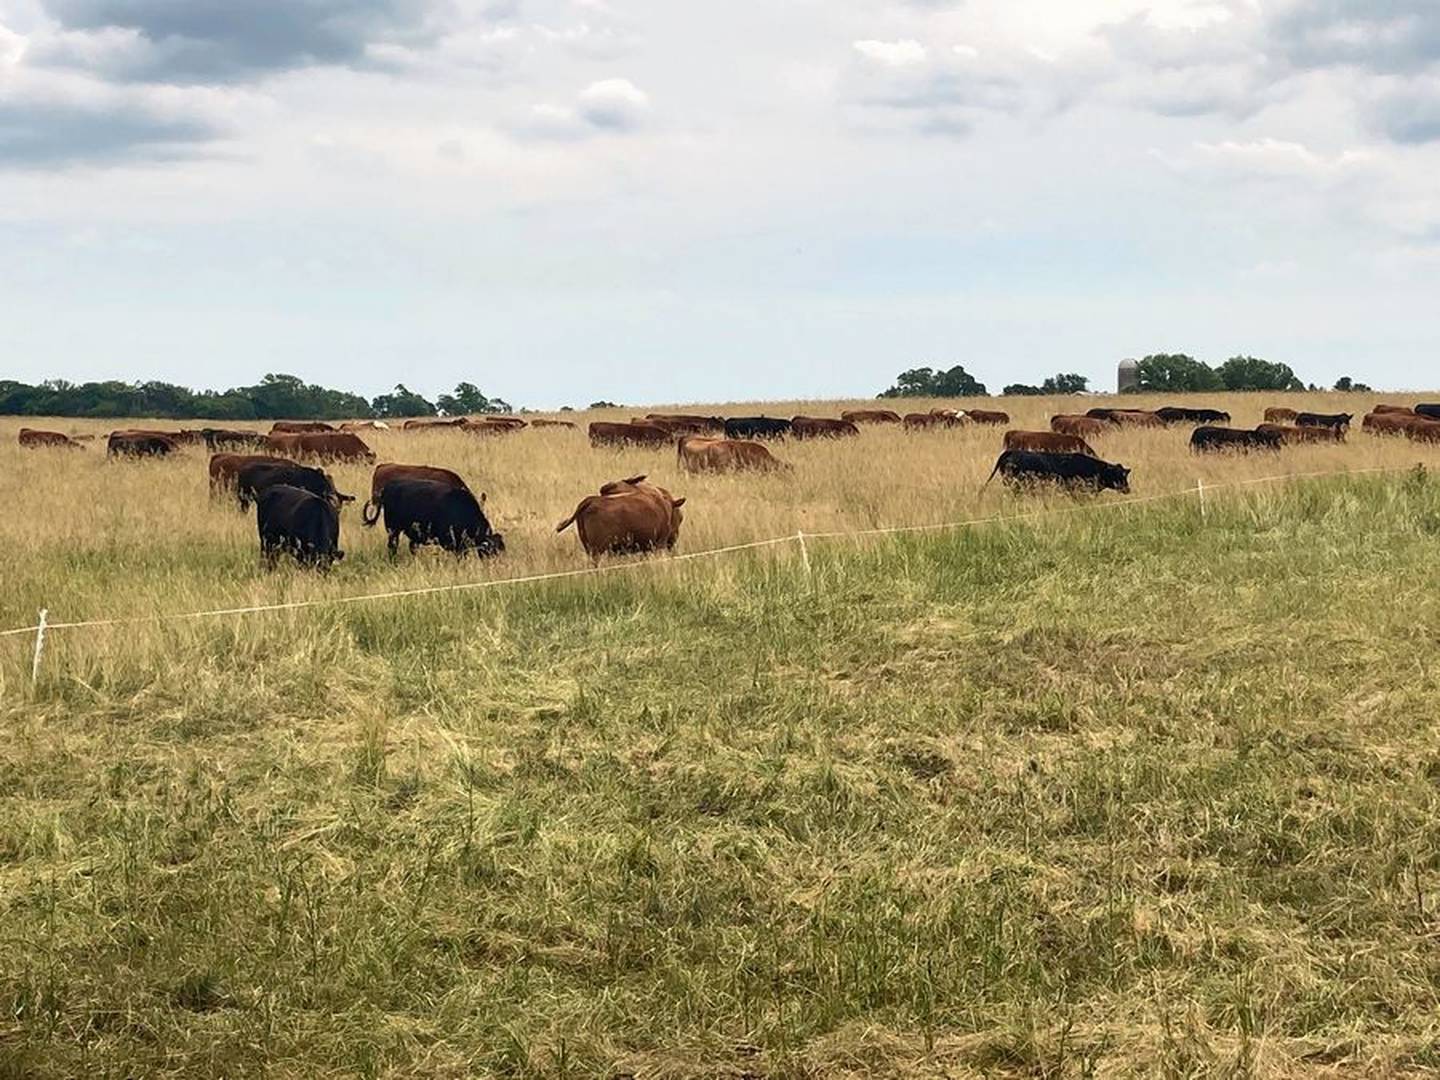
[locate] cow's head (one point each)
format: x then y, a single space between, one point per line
1116 477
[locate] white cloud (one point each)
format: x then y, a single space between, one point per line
613 104
896 54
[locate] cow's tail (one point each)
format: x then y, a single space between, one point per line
366 516
992 472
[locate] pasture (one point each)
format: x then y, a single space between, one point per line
1119 790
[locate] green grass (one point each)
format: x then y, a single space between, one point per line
1132 793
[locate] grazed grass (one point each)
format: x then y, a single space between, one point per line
1126 793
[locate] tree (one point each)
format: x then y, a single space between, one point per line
927 382
1065 384
1021 390
468 399
400 403
602 405
1252 373
1176 373
1346 385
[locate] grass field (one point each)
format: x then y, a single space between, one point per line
1139 791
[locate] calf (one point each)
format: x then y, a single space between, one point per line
698 454
434 512
1023 467
291 520
1210 440
819 427
31 438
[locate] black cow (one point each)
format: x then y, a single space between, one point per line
1431 411
1339 421
225 439
756 427
253 480
430 512
140 444
1210 440
1019 467
290 519
1178 414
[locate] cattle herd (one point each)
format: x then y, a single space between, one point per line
298 506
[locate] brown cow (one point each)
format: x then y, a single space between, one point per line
871 416
818 427
936 419
687 424
393 471
298 427
1396 410
139 444
1047 442
225 469
1082 427
539 423
988 416
1413 427
1136 418
627 516
696 453
32 438
488 427
604 433
1280 416
322 445
425 423
1295 435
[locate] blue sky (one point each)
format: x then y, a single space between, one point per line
564 200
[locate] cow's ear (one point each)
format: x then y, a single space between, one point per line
677 503
483 497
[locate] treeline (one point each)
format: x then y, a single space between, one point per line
275 397
1161 373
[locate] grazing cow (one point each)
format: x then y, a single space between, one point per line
987 416
139 444
934 419
228 439
1082 427
1335 420
1178 414
627 516
1135 418
819 427
426 423
1292 436
1430 412
290 519
1023 467
542 422
364 425
322 445
1280 416
1210 440
695 453
433 512
254 479
685 424
488 427
871 416
1047 442
756 427
384 474
225 469
1417 428
606 433
508 421
1397 410
298 427
33 439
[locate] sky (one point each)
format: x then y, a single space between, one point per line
649 201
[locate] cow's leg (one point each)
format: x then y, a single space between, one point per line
392 541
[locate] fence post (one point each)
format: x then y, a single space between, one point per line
804 551
39 645
1200 487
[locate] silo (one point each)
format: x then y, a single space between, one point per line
1129 377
